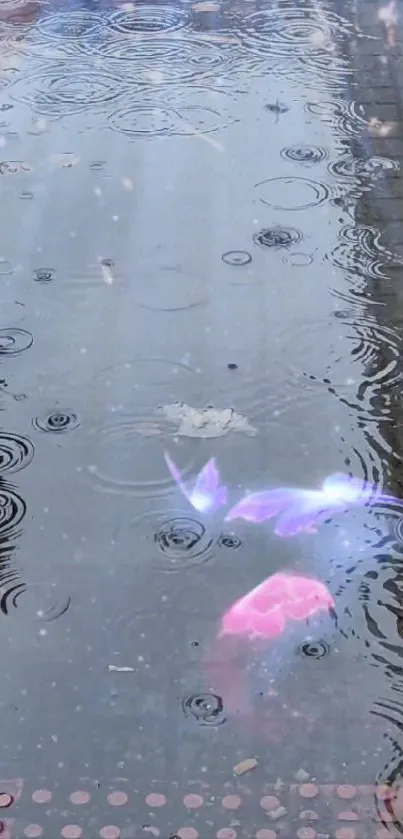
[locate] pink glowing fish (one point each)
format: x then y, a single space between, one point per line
301 509
266 623
206 494
265 611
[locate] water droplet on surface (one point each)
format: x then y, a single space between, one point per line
184 542
206 708
314 649
229 540
237 258
16 452
44 275
304 154
57 421
14 341
278 237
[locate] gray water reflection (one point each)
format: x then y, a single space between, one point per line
140 147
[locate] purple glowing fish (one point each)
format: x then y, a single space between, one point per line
301 510
206 494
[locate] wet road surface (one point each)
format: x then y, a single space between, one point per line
200 255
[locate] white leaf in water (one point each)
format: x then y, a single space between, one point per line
114 668
207 422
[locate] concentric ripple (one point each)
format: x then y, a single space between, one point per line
148 19
37 603
170 290
372 167
162 60
347 118
57 422
278 237
372 350
184 542
314 649
292 193
205 708
14 341
72 25
66 88
360 252
12 510
292 29
237 258
44 275
125 460
229 540
16 452
172 539
179 111
304 154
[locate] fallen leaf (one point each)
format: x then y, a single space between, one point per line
115 669
206 422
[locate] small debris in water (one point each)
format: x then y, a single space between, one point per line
106 268
113 668
277 108
206 422
245 766
66 160
232 366
302 776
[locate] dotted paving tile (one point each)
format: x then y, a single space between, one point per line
200 811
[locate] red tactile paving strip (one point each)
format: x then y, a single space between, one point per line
119 810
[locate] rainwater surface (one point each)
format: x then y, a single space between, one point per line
199 256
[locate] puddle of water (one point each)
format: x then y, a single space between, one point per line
188 193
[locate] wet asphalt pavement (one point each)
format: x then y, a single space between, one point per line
188 203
